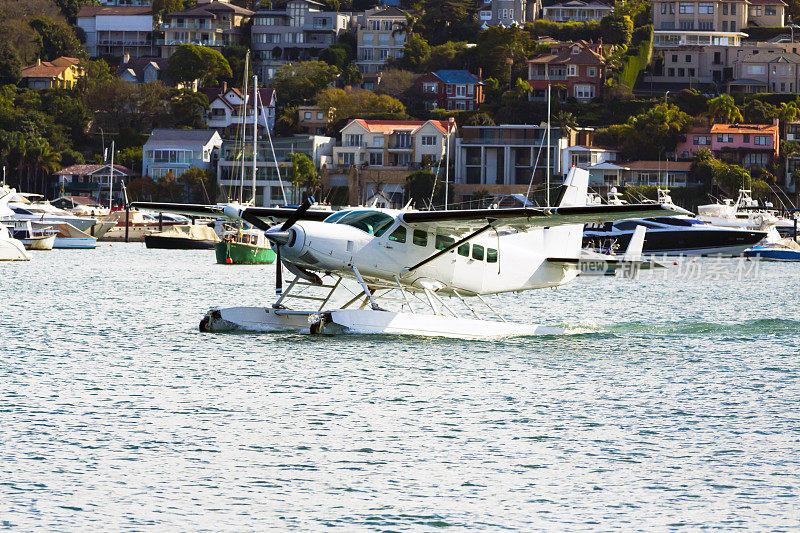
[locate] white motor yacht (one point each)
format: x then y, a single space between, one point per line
33 235
744 213
10 248
16 206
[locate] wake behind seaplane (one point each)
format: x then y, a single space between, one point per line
414 257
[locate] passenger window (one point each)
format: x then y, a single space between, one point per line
398 235
420 238
491 255
464 249
443 242
477 252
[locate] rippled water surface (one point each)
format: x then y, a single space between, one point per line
678 404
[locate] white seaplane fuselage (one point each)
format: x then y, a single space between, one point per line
494 262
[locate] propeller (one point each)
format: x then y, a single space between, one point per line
282 236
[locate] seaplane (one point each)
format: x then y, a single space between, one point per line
401 272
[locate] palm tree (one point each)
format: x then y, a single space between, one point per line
723 109
566 121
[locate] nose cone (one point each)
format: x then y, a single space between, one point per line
291 241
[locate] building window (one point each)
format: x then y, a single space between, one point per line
724 8
733 11
591 72
346 158
352 139
705 8
761 140
584 91
691 73
686 7
663 8
572 70
461 90
770 10
745 137
429 87
701 140
674 58
428 140
308 115
671 72
681 72
724 137
376 159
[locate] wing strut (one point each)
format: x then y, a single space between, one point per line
487 227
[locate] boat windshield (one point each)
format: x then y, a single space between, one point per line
373 222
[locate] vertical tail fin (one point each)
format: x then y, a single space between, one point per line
577 184
633 255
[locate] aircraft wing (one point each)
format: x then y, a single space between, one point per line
272 214
524 218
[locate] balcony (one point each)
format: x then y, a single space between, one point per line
499 141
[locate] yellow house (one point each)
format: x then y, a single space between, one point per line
60 73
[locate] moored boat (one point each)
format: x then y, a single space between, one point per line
183 237
783 250
244 247
11 249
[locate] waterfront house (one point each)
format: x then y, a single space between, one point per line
573 69
450 89
295 31
60 73
91 182
143 70
173 152
117 30
748 145
228 104
212 23
508 12
576 11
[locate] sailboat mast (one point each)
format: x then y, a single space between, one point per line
255 134
244 127
111 181
547 175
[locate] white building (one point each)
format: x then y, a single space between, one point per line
393 143
228 104
176 151
117 30
581 156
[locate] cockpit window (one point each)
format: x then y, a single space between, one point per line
336 216
373 222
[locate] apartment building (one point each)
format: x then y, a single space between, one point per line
228 105
117 30
212 23
381 36
695 43
450 89
748 145
508 12
574 70
504 159
577 11
270 171
173 152
296 32
774 71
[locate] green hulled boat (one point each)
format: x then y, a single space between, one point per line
244 247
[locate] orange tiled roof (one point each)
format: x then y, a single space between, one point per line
45 70
744 128
388 126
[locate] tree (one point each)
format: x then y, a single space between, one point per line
448 55
498 49
303 174
420 186
298 83
130 157
359 103
653 133
757 112
396 83
479 119
162 7
724 110
199 185
616 28
10 65
191 62
351 76
235 56
189 108
416 53
17 33
70 8
335 55
57 39
566 121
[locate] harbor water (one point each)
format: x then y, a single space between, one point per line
672 405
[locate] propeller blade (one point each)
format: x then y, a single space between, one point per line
278 272
299 212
